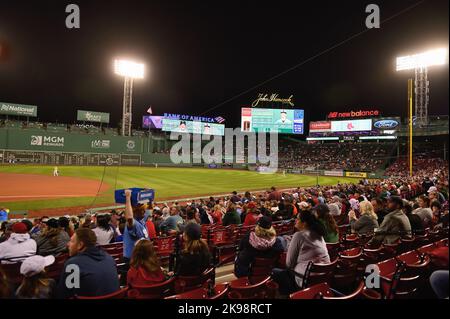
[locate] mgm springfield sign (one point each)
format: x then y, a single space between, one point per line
18 109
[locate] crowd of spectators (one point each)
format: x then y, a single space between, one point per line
392 208
335 156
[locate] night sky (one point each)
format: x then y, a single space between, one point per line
199 54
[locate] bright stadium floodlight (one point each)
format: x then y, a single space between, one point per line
422 60
419 63
129 70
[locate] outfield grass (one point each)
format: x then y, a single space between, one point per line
167 182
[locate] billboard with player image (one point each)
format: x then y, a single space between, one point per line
282 121
193 127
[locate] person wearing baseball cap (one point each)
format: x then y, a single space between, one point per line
36 284
52 240
195 257
395 224
260 243
252 216
18 246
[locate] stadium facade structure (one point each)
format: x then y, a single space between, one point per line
61 144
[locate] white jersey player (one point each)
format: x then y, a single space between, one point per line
55 171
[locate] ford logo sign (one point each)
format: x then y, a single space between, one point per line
385 124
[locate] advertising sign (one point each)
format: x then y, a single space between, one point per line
18 109
89 116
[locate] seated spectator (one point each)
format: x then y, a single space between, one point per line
28 224
195 257
424 211
260 243
192 215
324 217
367 222
306 245
217 214
144 265
65 224
436 208
52 240
335 206
36 226
172 224
36 284
231 217
417 225
235 197
274 194
395 224
104 231
252 216
378 207
18 246
157 219
5 231
435 194
97 269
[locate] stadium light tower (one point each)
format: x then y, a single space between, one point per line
420 63
129 70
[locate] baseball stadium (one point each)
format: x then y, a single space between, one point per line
263 196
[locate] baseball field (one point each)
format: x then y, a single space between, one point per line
35 189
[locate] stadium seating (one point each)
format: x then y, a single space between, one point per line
219 291
242 288
155 291
323 291
186 283
120 294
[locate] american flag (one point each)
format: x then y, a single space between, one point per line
220 119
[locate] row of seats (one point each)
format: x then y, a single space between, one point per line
401 277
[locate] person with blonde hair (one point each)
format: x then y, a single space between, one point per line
367 221
260 243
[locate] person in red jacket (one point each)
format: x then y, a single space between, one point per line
144 265
151 229
252 216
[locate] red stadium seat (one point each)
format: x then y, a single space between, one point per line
313 292
347 269
186 283
220 292
222 243
242 289
165 247
317 273
155 291
120 294
333 250
260 268
54 270
323 291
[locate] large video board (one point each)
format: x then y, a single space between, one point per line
272 120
